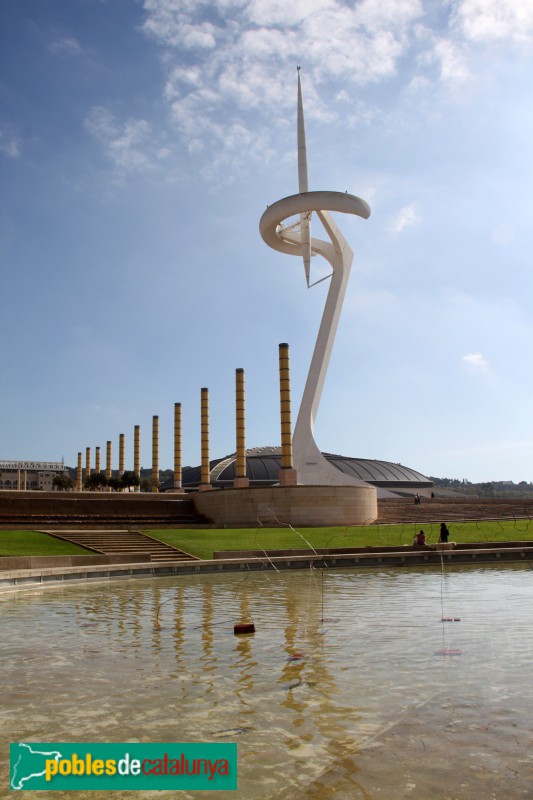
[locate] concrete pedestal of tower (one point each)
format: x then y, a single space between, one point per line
289 505
241 483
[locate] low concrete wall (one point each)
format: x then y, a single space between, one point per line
44 562
395 549
293 505
90 503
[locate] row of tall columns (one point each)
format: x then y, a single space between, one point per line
136 457
287 477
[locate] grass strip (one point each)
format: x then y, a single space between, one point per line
204 542
31 543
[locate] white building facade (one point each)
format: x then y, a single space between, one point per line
29 475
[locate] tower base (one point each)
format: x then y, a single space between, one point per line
289 505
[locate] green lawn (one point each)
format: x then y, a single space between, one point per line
31 543
204 542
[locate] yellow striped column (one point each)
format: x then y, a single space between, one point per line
97 467
79 474
121 450
108 472
205 483
177 449
287 474
19 484
25 480
87 465
137 454
241 481
155 454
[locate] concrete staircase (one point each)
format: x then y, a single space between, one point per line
404 510
121 542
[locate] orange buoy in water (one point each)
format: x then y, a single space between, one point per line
243 627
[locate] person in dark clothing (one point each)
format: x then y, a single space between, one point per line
444 532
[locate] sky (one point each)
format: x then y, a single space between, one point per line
140 142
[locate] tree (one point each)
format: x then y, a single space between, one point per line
129 478
63 482
96 481
114 483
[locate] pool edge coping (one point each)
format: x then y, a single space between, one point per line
16 580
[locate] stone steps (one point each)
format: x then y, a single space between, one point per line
121 543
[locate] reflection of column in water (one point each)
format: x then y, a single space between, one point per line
178 633
244 647
156 618
97 606
209 664
207 621
122 614
134 616
292 671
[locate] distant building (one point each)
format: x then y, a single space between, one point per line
29 475
263 465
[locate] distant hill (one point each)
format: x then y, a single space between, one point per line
504 489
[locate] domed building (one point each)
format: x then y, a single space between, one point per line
264 463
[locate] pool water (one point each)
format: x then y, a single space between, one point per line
361 705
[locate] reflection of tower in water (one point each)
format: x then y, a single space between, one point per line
309 672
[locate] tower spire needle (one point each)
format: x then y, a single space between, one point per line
303 184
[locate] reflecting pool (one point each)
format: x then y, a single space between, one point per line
360 705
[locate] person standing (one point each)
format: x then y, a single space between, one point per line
444 532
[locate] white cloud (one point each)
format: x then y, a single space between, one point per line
66 47
490 20
229 59
9 145
406 218
451 61
475 362
229 64
130 145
